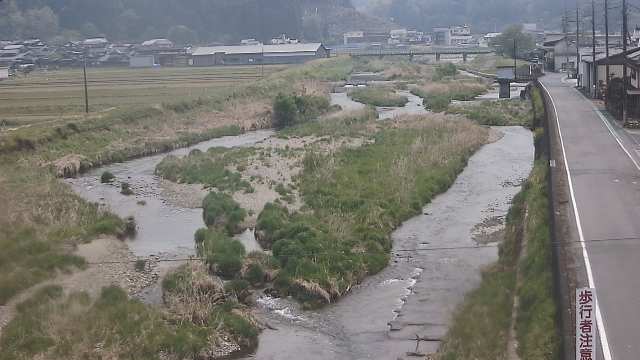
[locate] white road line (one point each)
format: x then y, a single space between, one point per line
606 351
611 130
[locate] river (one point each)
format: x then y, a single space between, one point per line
164 228
416 294
421 288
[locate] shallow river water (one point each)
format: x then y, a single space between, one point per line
163 228
416 294
419 291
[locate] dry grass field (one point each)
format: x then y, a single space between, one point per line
49 95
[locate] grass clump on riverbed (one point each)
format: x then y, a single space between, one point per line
211 168
496 113
438 95
289 110
357 196
351 124
378 96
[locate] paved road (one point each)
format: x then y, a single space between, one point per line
606 188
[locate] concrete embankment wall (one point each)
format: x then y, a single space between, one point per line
566 274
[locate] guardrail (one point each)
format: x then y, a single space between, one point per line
411 52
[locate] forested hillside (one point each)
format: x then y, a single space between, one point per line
485 15
186 20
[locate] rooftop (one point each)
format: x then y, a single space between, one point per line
256 49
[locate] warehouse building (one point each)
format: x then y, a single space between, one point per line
258 54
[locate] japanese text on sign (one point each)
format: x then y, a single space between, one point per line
585 324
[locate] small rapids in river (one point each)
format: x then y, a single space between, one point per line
416 294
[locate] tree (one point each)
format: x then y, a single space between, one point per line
312 27
40 23
182 35
285 111
89 30
504 42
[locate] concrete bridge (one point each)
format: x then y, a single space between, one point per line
411 52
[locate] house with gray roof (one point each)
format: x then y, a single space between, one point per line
258 54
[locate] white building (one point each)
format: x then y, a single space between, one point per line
158 44
453 36
486 40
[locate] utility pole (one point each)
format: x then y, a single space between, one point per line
86 88
606 45
624 62
594 77
577 41
515 59
565 30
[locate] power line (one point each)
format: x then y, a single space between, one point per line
397 253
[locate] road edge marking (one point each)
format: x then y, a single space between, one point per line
609 127
606 351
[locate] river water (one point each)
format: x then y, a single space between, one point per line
163 227
419 291
416 294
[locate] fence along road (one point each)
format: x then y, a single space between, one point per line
604 180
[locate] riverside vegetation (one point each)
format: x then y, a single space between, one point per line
353 197
444 85
348 184
378 96
42 220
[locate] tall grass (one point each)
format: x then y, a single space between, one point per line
438 95
211 168
497 113
52 325
40 220
351 124
378 96
535 323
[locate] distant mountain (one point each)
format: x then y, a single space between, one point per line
193 21
483 15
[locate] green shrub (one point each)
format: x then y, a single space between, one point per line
437 103
223 254
255 274
285 111
289 110
125 189
107 177
444 70
272 218
222 212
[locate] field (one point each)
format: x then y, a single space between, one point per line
47 95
